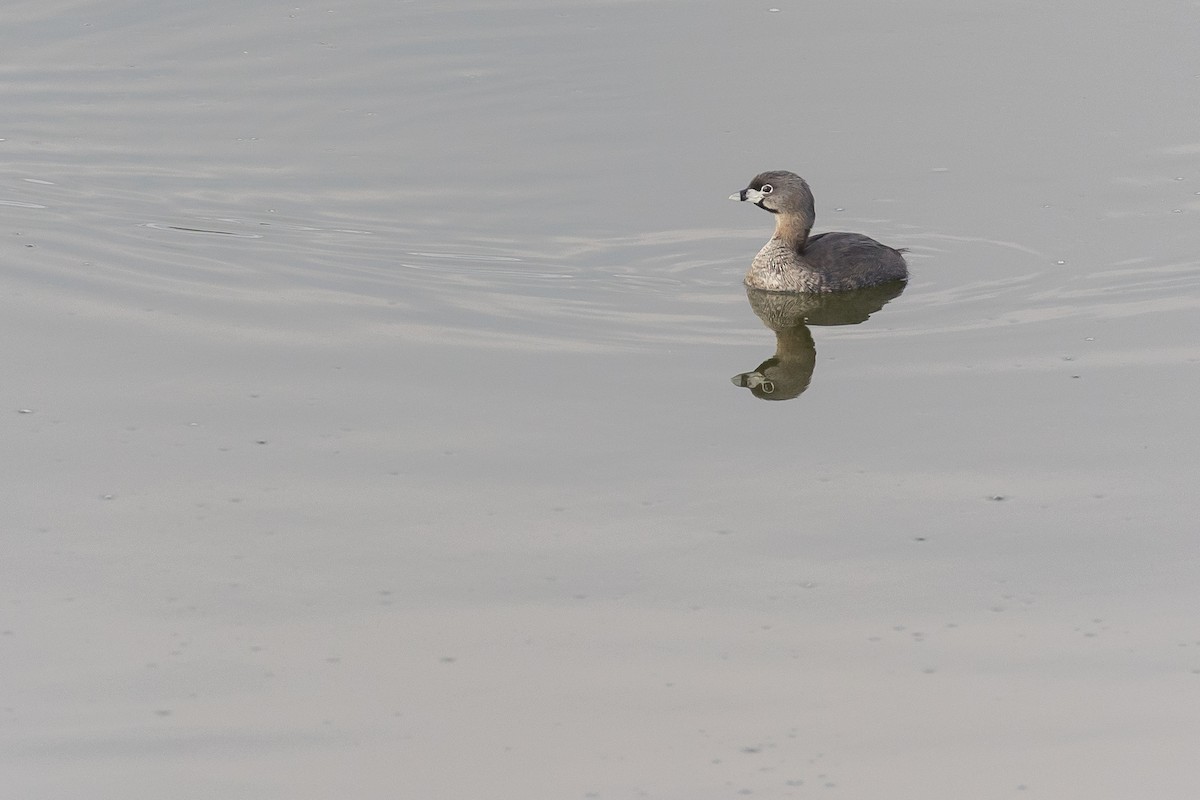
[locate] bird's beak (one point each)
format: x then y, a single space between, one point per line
753 195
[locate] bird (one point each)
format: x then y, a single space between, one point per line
793 261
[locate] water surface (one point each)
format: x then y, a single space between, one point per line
370 431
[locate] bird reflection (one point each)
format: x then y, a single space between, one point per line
787 373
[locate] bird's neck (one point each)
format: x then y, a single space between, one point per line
793 230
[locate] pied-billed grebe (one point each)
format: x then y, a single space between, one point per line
795 262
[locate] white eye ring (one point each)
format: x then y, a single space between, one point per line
767 188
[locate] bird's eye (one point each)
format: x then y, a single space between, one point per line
767 188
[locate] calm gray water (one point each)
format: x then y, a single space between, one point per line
369 430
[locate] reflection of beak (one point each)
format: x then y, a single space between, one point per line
753 195
753 380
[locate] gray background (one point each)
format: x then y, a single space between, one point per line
368 430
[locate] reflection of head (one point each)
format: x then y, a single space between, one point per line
778 378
